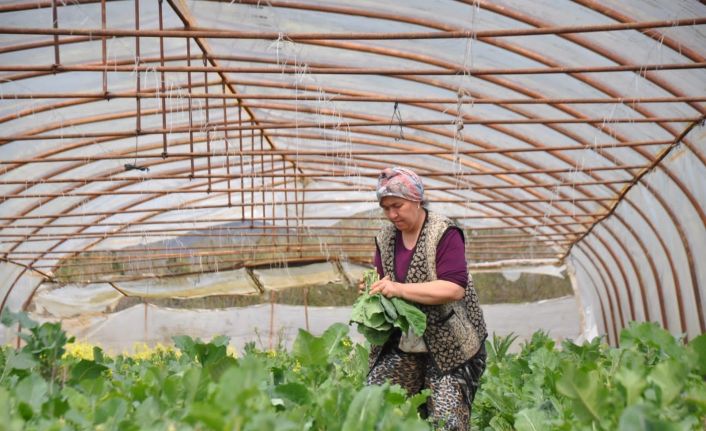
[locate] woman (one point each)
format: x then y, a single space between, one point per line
420 257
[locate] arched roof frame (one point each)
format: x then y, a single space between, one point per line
496 187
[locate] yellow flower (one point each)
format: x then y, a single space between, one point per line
142 351
231 351
80 350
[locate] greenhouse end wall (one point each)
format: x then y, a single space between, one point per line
645 261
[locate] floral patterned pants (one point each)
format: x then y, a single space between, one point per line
449 405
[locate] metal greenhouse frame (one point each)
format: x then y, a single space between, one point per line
147 140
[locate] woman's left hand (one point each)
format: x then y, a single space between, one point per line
387 287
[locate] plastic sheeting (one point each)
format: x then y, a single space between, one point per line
644 261
270 326
129 156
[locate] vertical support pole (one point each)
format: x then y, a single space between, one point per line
138 61
208 125
162 86
296 208
104 49
191 116
252 169
55 23
272 203
225 138
262 172
285 181
242 172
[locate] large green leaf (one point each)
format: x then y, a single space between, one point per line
390 310
111 410
374 309
186 345
203 413
374 336
86 369
148 413
696 397
358 311
310 350
93 387
499 423
213 356
416 317
241 388
641 418
669 376
9 317
531 420
9 420
633 382
193 384
652 340
295 392
17 361
32 390
364 410
173 388
584 389
270 421
697 349
378 320
333 338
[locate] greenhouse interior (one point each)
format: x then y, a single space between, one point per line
189 198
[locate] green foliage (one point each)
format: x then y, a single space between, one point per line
44 346
318 386
212 356
498 347
377 316
653 381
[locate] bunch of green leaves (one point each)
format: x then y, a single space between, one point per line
377 315
652 381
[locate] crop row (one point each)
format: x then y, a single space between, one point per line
653 381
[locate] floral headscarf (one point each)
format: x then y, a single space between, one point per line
400 182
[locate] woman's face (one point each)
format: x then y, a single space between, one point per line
402 212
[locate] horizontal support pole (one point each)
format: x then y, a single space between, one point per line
335 97
315 70
199 32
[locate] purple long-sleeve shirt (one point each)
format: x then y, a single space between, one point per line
450 259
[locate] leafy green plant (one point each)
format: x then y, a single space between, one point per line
317 386
653 381
377 316
44 345
498 347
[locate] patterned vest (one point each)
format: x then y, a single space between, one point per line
454 330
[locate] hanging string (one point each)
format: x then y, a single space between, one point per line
396 114
134 165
